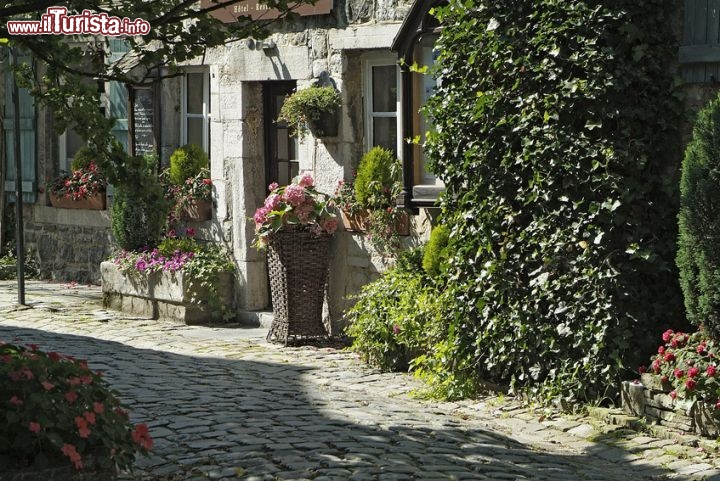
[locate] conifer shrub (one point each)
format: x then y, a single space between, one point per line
698 256
377 172
186 162
436 250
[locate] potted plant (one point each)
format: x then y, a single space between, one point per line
189 186
313 108
83 188
368 202
296 224
61 420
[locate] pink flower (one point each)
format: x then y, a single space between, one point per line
330 225
190 232
693 372
701 348
294 195
710 371
99 408
82 426
34 427
261 215
690 384
141 436
678 373
207 181
396 329
172 234
47 385
664 379
272 201
71 396
669 356
642 370
673 395
89 417
661 350
273 186
655 366
16 401
306 180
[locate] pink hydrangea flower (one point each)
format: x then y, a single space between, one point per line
306 180
294 195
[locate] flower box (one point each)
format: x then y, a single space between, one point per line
98 201
359 222
168 295
197 210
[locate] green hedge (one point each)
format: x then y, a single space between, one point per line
556 134
699 221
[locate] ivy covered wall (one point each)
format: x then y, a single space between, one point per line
557 137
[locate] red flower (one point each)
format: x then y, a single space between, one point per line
34 427
690 384
47 385
669 356
701 348
656 366
89 417
642 369
661 350
207 181
141 436
673 395
678 373
82 426
710 371
74 381
70 451
71 396
664 379
667 335
693 372
99 408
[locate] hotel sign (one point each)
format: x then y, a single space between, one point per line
257 10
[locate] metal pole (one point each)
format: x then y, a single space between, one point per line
19 237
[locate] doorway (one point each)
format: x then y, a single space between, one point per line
281 149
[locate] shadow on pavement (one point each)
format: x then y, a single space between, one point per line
217 418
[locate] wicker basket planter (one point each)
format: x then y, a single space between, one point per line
298 264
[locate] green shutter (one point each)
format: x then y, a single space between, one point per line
28 150
700 50
118 95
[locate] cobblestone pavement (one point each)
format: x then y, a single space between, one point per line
224 404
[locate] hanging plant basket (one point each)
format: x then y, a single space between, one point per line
298 264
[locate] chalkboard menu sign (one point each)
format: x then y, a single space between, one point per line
143 132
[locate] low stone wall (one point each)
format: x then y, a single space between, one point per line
651 400
164 295
69 244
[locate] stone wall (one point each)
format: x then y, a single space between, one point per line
651 400
68 244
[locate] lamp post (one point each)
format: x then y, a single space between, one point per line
19 231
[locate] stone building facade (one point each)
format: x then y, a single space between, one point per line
227 102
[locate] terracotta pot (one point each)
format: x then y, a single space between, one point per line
96 202
359 222
197 210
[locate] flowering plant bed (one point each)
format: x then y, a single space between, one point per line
681 389
58 414
181 280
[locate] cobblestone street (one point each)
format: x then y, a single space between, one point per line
222 403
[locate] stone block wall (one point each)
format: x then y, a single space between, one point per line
651 400
69 244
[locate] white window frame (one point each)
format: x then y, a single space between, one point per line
205 115
381 60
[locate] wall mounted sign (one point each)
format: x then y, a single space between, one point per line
256 10
142 129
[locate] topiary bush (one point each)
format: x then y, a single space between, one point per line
377 172
698 257
139 210
186 162
556 135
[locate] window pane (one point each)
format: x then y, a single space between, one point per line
195 131
384 89
73 143
195 93
385 133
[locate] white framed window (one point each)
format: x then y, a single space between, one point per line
195 128
381 78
